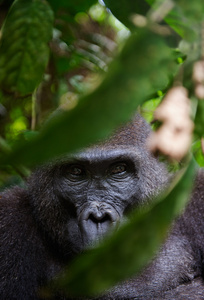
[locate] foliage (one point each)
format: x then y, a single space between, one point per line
69 75
25 36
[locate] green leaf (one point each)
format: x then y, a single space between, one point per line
24 48
194 10
198 153
179 18
199 119
141 69
73 6
131 247
124 9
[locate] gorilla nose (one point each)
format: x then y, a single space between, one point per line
100 217
95 224
99 222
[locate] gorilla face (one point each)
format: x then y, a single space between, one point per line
98 187
79 199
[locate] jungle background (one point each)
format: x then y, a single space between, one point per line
70 73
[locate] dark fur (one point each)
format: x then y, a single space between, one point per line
43 226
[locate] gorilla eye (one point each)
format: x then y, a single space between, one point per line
118 169
75 170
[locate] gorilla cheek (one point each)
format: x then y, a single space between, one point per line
95 221
74 236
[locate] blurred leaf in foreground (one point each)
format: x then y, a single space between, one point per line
142 68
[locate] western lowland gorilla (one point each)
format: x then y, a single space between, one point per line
72 202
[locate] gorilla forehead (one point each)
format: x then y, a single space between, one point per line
128 140
99 154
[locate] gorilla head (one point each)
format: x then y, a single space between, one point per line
77 199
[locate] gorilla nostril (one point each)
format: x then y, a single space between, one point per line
100 218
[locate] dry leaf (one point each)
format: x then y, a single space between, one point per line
173 138
198 78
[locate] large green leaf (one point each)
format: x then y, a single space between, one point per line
130 248
141 69
24 48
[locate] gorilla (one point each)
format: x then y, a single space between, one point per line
69 205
